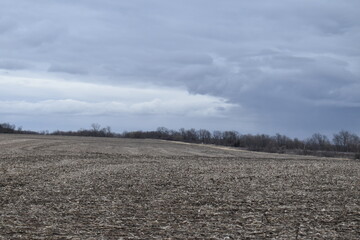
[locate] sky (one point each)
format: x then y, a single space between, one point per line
280 66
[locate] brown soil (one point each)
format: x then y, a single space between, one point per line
99 188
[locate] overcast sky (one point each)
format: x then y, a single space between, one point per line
286 66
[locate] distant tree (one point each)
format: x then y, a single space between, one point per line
298 144
230 138
204 136
163 133
106 132
96 127
163 130
182 132
265 142
318 142
7 128
283 141
346 141
175 136
191 135
217 137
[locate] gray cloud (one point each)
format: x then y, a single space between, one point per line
13 64
67 68
290 64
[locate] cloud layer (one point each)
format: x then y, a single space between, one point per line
292 66
45 97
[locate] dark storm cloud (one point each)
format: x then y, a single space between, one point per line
287 63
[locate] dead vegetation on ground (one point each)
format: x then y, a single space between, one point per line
98 188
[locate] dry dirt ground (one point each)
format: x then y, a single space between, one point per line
101 188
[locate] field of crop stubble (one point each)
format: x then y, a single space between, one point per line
101 188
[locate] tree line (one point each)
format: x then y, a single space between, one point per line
342 143
11 128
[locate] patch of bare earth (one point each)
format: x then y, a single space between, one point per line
98 188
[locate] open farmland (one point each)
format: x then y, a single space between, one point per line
106 188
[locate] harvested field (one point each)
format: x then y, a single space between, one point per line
103 188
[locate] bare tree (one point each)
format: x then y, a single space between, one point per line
318 142
204 135
95 127
346 141
217 137
230 138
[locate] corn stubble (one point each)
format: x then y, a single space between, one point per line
99 188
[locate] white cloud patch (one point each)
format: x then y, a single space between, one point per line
42 96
